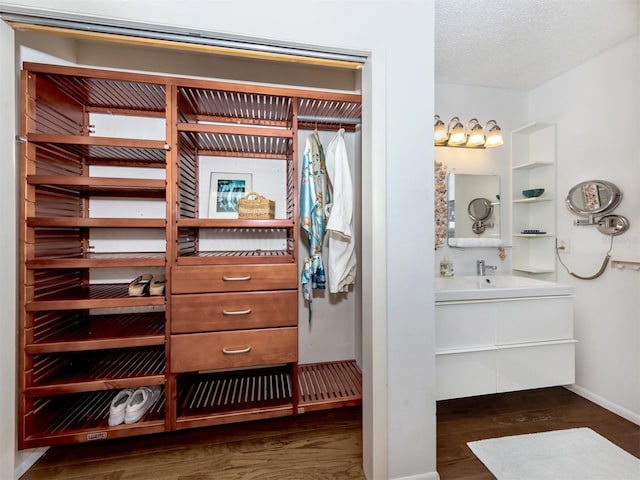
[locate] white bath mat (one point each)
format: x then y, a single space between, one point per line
577 453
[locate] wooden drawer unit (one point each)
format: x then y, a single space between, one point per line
224 350
233 278
233 311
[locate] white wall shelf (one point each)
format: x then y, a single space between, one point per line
533 165
533 200
532 235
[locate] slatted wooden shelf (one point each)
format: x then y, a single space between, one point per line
59 373
79 222
98 260
235 225
329 385
239 257
225 144
84 417
225 104
103 150
213 398
344 108
232 391
93 296
103 89
321 385
74 331
103 186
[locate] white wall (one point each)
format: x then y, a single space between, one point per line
596 108
509 109
398 349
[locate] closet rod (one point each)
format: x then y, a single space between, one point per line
344 121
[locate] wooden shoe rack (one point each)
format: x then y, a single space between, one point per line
223 339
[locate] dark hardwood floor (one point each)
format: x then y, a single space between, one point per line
319 445
468 419
326 445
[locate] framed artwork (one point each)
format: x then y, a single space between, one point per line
224 192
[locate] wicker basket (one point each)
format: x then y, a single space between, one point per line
256 207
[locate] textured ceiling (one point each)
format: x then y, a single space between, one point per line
521 44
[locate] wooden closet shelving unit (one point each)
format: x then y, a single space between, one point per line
222 341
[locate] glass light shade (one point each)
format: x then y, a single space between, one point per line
440 136
456 133
476 134
494 134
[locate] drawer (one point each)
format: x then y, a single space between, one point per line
464 325
234 278
534 320
465 374
544 364
233 311
223 350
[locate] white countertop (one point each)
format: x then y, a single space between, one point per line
470 287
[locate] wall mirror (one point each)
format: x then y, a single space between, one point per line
593 197
480 211
473 200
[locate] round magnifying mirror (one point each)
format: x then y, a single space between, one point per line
480 209
593 197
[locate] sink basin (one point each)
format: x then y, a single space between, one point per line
473 287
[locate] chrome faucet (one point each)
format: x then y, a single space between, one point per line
481 268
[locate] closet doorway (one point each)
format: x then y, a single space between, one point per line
336 331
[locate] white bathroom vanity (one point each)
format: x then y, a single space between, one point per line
502 333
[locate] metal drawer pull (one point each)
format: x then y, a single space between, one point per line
236 312
236 279
226 351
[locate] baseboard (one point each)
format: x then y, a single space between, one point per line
26 459
603 402
421 476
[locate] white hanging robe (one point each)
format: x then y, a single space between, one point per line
341 270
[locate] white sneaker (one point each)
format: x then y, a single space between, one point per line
118 406
141 400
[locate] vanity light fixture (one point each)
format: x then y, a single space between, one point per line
455 135
494 134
